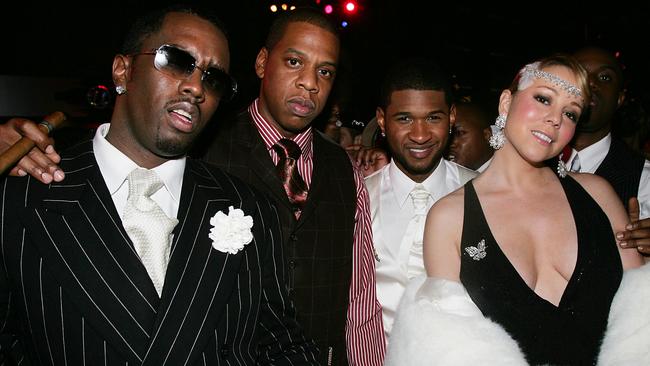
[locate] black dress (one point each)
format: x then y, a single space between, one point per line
567 334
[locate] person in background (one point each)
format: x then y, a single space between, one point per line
595 150
469 144
142 256
417 116
522 261
341 126
325 217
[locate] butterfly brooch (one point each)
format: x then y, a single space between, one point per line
478 252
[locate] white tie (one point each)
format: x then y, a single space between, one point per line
411 248
147 225
575 164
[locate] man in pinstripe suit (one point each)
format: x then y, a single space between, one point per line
73 290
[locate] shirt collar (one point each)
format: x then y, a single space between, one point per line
594 154
403 185
270 134
115 166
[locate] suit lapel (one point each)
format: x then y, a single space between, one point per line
199 279
261 165
82 240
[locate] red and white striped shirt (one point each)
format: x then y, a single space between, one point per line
364 329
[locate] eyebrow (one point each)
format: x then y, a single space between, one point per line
557 93
301 53
436 111
608 67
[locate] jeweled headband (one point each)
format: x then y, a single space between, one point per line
532 71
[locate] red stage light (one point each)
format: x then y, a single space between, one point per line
350 6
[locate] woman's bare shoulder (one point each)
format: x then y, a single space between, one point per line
449 208
597 187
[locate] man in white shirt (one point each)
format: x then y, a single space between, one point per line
596 151
416 114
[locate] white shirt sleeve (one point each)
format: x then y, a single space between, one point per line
644 191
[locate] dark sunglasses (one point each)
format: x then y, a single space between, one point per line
180 64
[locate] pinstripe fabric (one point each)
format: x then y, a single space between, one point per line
622 168
329 250
73 291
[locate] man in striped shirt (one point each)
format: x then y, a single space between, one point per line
328 241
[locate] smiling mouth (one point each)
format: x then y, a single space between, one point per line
420 152
542 137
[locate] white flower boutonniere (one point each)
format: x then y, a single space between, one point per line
230 233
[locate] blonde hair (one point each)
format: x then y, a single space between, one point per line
560 59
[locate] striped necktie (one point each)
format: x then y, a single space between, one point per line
287 168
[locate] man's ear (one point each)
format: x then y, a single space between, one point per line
260 62
379 113
121 70
487 133
621 98
452 117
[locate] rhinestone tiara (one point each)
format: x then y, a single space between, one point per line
532 71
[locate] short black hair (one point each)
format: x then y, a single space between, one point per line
416 74
151 23
304 14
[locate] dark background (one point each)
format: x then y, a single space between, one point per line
481 45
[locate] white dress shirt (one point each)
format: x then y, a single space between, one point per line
592 156
391 210
485 165
115 166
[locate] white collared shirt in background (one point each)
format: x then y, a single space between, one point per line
593 155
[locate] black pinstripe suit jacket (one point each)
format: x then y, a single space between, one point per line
74 292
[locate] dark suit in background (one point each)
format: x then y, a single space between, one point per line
622 168
318 246
73 290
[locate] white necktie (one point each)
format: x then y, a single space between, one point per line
575 164
147 225
411 248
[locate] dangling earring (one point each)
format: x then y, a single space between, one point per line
498 138
120 90
562 169
383 134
